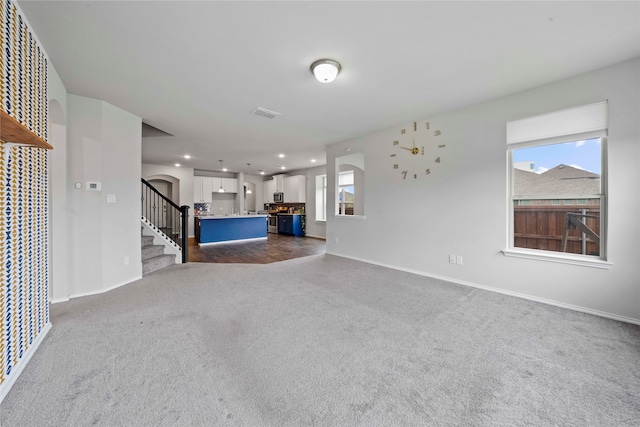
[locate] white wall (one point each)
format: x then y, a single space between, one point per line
184 175
314 228
461 208
104 145
60 253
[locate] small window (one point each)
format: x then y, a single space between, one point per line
349 186
346 192
321 198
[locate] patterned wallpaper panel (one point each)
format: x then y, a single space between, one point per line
24 223
24 305
23 91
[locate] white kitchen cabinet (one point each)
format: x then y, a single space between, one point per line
268 188
202 189
278 181
230 185
295 189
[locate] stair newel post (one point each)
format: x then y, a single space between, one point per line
184 211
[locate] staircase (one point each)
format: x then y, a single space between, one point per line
153 256
165 223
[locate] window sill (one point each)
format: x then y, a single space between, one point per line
321 220
557 257
350 216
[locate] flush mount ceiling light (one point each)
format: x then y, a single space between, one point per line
325 70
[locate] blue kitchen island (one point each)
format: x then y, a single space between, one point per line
211 229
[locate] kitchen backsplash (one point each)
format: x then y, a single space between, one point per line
201 207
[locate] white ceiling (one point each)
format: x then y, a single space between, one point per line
197 69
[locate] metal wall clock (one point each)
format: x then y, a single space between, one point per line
417 153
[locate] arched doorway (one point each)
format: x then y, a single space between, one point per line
249 197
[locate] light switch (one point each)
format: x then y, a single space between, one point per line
111 198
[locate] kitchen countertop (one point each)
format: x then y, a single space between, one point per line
215 229
209 216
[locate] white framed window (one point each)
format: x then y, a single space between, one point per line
346 193
349 186
557 186
321 197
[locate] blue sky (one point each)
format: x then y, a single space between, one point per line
581 154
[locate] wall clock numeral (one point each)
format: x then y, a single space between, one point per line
428 171
404 174
438 160
395 166
427 125
437 133
423 150
395 143
403 131
415 126
415 175
442 146
393 155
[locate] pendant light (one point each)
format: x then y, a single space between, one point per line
221 190
248 188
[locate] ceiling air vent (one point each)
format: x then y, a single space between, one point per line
265 113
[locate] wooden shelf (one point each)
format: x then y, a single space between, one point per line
13 131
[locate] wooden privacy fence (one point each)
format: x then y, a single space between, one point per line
543 227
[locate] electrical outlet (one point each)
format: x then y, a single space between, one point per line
459 259
452 259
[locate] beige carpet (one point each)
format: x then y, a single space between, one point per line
323 341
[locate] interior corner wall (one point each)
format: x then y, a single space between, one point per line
182 174
60 249
462 208
104 146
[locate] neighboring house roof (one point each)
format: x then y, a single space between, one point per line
561 180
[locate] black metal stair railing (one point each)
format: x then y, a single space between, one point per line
166 216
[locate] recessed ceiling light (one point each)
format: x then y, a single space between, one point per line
186 156
283 167
177 165
281 155
261 172
313 160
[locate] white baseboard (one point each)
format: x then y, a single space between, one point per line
502 291
17 370
316 237
101 291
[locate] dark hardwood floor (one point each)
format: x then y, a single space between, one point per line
277 247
